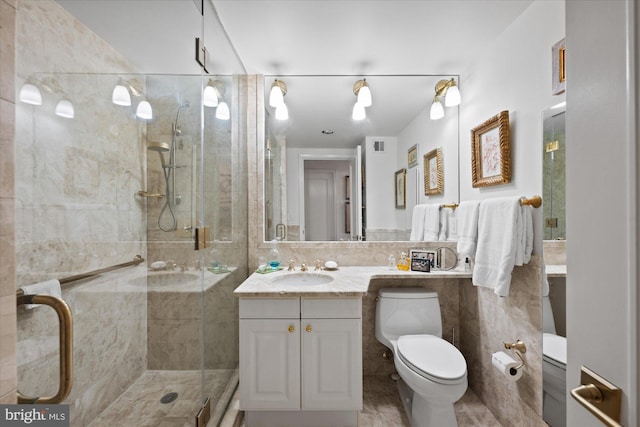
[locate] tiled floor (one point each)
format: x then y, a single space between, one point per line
140 405
383 408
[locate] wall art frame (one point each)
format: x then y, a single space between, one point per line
433 172
559 78
491 152
401 187
412 156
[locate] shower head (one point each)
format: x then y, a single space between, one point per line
159 147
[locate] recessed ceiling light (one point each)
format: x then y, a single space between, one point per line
327 132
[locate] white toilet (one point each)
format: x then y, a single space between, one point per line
433 373
554 370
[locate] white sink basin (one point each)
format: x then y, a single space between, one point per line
302 279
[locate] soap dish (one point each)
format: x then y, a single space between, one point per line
331 265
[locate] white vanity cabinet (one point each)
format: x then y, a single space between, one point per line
298 356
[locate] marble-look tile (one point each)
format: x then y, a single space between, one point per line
7 51
7 165
7 344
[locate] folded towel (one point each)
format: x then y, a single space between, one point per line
48 287
467 218
431 222
417 223
545 281
446 217
498 223
524 245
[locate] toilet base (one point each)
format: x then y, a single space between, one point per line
423 414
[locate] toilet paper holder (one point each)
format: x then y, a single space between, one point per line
517 347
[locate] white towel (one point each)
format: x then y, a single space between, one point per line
431 222
446 216
545 281
417 223
498 223
48 287
467 218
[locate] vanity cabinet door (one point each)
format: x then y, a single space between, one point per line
332 364
270 363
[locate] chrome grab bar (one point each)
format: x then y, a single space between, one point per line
66 347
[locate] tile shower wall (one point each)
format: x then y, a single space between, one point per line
7 204
76 211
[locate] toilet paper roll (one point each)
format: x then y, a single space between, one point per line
506 365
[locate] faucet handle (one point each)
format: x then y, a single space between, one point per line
318 265
303 266
291 266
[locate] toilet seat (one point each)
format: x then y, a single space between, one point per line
554 349
433 358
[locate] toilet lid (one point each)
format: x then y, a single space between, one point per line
433 357
554 347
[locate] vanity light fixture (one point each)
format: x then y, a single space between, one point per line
362 92
120 95
222 112
449 90
144 110
210 94
278 91
30 94
282 112
358 112
64 108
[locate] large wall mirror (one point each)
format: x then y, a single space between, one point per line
329 177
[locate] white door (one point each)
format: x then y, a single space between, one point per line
270 363
331 364
602 200
319 205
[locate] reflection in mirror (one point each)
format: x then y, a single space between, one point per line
554 339
329 177
446 258
554 174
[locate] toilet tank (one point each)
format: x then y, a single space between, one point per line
406 311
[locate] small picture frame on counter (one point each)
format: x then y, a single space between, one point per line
422 260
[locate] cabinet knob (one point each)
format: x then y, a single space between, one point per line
308 328
291 328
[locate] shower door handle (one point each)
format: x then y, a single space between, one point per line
66 347
602 398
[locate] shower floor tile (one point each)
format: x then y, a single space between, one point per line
140 406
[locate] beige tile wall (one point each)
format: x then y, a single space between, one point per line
7 201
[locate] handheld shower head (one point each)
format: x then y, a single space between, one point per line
159 147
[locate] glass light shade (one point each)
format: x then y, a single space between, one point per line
282 112
222 112
64 108
358 112
144 110
276 98
437 111
121 96
210 97
453 97
364 96
30 94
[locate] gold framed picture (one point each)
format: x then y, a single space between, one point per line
559 83
401 184
412 156
433 173
491 151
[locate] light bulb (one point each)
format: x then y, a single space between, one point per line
276 98
30 94
144 110
364 96
120 96
222 112
64 108
210 97
282 112
358 112
453 96
437 111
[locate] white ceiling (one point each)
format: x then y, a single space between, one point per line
293 38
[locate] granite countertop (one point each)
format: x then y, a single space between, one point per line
347 281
